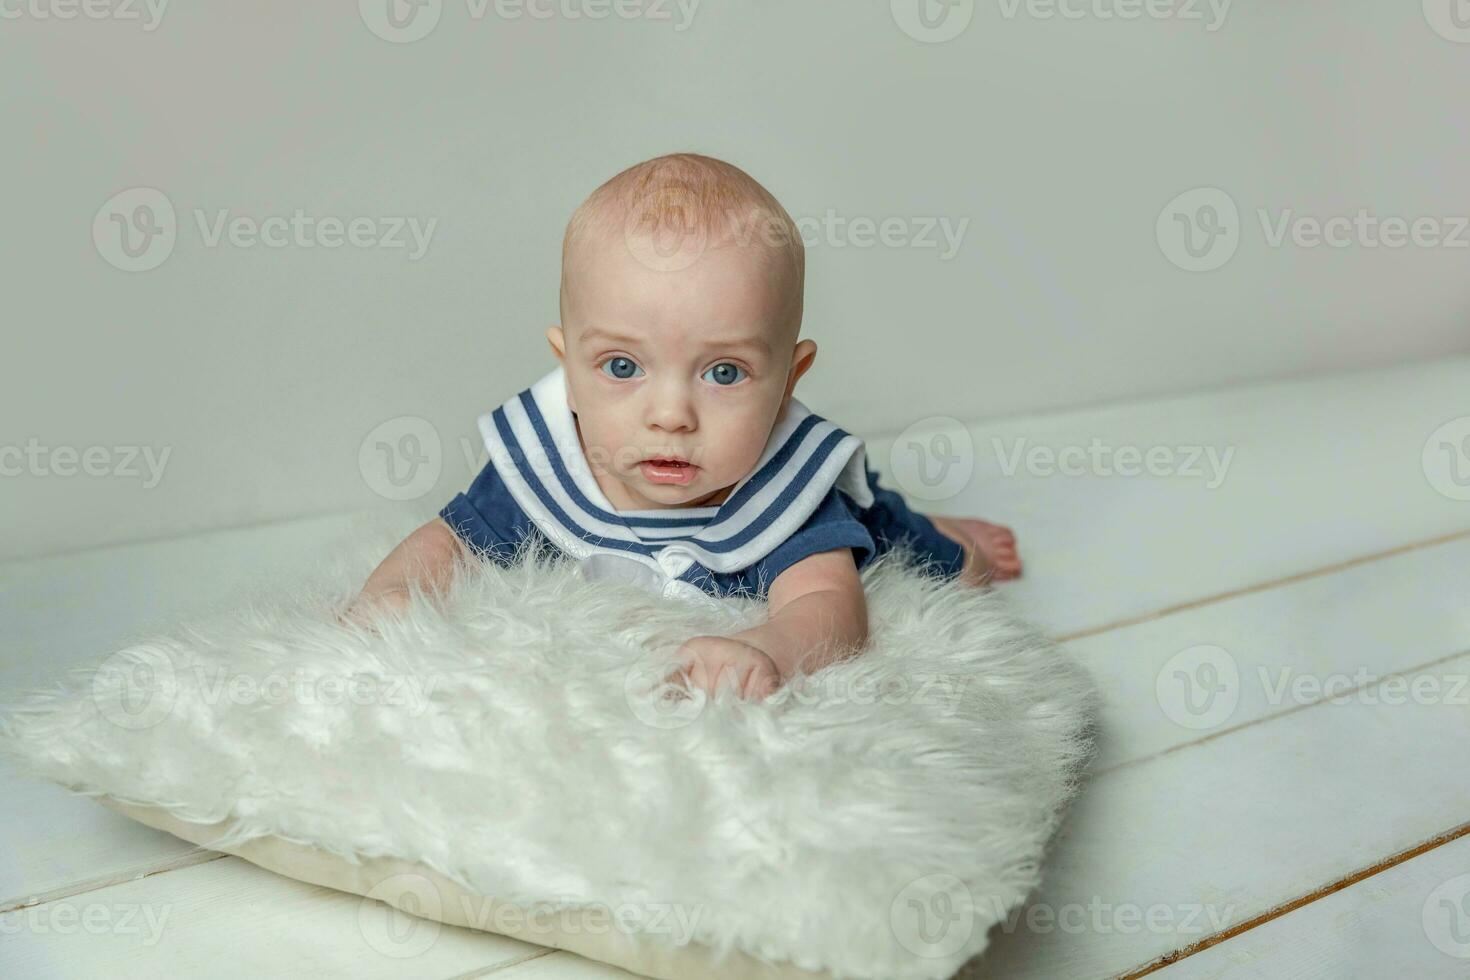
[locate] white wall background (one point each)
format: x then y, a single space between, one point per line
260 370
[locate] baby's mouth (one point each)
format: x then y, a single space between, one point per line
667 470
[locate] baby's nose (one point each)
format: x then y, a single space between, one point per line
672 411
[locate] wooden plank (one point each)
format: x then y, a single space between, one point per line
1320 471
1276 651
1160 855
73 608
70 609
58 843
230 918
1412 920
561 965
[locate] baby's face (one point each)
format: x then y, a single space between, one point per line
694 364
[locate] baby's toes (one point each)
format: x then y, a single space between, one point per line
1000 536
1000 543
1005 561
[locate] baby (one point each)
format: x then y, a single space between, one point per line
667 448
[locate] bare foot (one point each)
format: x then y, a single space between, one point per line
990 549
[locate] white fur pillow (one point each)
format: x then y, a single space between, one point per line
512 743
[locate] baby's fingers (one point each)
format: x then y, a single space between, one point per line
760 685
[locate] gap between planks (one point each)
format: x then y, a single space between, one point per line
1169 959
189 859
1265 586
1335 695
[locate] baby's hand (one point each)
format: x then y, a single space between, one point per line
706 659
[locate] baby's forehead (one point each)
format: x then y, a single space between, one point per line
632 270
717 280
673 250
756 338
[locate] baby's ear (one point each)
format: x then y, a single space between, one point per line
557 339
802 359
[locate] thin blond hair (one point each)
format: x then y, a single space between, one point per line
689 195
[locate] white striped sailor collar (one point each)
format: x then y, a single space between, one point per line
533 444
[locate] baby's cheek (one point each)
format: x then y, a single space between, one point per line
737 454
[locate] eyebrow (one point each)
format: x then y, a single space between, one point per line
754 342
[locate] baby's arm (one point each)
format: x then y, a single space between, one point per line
818 615
427 555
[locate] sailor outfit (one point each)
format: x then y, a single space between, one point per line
812 490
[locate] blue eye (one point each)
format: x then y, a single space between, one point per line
725 379
622 364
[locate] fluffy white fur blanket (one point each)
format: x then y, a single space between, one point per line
873 819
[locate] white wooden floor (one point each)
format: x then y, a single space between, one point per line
1240 822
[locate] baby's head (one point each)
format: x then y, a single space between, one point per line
681 303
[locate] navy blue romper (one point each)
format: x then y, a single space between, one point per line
538 480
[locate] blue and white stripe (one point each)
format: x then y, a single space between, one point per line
533 443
